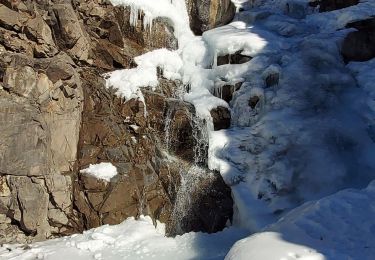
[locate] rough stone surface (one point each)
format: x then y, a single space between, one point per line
221 118
208 14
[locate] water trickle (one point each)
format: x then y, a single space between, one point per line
183 130
200 135
167 128
187 198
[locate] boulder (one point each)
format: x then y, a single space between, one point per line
360 45
208 14
221 118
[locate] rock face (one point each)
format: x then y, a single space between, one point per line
360 45
118 132
208 14
57 118
40 119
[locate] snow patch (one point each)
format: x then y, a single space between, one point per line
103 171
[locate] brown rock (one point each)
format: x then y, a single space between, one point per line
236 58
33 212
221 118
72 34
208 14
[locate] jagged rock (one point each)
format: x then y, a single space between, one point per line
221 118
39 136
236 58
38 31
10 19
21 81
208 14
72 34
360 45
330 5
30 203
107 134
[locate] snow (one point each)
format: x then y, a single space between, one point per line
271 246
132 239
103 171
337 19
340 226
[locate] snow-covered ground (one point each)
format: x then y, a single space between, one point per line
309 136
132 239
340 226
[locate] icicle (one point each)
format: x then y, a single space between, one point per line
134 12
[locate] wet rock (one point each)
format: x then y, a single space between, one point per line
330 5
221 118
236 58
204 205
107 134
360 45
208 14
226 91
179 131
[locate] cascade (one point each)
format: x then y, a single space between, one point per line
185 217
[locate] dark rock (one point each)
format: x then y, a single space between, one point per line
221 118
253 101
225 92
272 79
330 5
205 204
360 45
236 58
